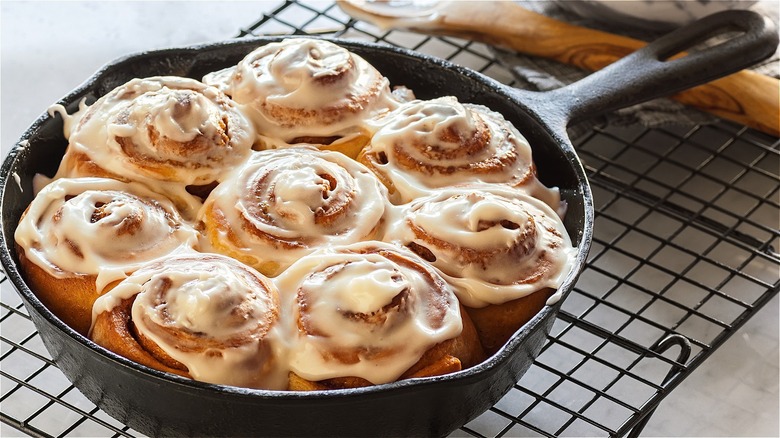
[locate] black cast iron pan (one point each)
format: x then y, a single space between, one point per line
158 403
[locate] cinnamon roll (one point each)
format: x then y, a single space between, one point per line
203 316
303 90
80 235
372 313
503 251
427 144
174 133
282 204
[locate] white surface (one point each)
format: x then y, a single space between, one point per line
48 48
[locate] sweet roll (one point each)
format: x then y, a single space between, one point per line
175 134
503 251
372 313
203 316
284 203
303 90
81 234
428 144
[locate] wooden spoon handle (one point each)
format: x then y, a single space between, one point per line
745 97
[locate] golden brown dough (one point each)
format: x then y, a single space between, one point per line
115 331
497 322
69 298
80 235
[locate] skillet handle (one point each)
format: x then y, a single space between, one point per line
649 72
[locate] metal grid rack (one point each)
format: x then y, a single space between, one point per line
685 252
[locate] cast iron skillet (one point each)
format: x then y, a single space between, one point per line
158 403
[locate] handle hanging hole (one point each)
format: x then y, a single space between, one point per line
705 43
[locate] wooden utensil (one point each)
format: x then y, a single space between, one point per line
745 97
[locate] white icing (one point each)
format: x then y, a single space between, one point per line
69 121
459 219
228 311
304 87
336 282
361 287
280 194
297 196
62 235
495 241
168 132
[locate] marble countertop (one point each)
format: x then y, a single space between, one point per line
49 48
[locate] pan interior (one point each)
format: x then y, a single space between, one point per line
42 146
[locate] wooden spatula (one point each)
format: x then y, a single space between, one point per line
745 97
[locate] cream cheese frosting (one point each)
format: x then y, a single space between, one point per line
290 273
101 227
492 243
282 204
211 313
368 310
302 87
427 144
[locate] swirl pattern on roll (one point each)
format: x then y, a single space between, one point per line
204 315
427 144
494 244
369 310
159 130
100 227
285 203
301 88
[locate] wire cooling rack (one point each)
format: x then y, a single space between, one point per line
685 252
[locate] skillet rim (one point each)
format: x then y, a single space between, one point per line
489 366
